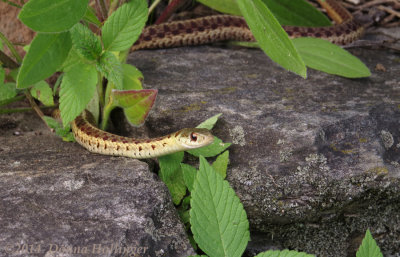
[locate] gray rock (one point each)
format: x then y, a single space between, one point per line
315 162
59 199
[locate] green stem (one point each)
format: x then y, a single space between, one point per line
106 115
11 47
14 110
100 90
12 100
12 4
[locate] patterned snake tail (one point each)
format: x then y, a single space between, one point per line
227 27
99 141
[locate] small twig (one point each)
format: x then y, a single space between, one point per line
36 108
103 9
153 5
15 110
7 61
113 6
389 10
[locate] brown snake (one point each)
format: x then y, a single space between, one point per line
194 32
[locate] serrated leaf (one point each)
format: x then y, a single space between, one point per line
171 173
213 149
90 16
43 93
124 26
368 247
7 91
271 37
46 54
52 16
132 77
72 58
85 42
327 57
220 165
136 103
77 88
210 122
284 253
110 66
189 174
219 222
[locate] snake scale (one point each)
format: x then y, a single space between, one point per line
195 32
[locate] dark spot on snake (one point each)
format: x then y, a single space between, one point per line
206 23
166 28
177 133
117 147
328 33
201 28
153 146
189 30
105 146
105 138
124 141
290 33
303 34
227 24
219 20
214 26
318 34
347 31
148 141
193 24
114 140
169 136
98 144
147 38
295 29
164 144
127 148
175 32
310 30
160 35
152 31
180 26
140 148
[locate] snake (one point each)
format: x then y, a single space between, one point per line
198 31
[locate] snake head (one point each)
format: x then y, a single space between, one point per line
194 137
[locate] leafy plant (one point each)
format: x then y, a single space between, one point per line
219 222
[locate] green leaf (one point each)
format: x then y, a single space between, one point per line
225 6
271 37
327 57
46 54
136 103
210 122
213 149
284 253
219 222
111 68
52 16
124 26
90 16
7 91
63 132
2 75
77 88
189 175
171 173
85 42
297 13
72 58
43 93
132 77
368 247
220 165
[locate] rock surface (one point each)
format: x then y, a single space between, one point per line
57 199
315 162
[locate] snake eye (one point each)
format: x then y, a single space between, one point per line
193 137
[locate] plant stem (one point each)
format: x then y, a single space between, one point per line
12 100
11 47
15 110
113 6
153 5
103 9
36 108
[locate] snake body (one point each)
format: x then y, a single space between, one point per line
195 32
